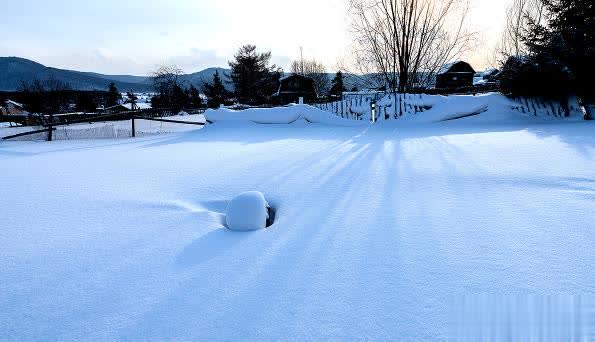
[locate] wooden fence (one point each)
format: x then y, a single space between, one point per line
374 107
50 127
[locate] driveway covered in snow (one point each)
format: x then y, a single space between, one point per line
380 232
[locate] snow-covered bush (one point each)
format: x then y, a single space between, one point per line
247 212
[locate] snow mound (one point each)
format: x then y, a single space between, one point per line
247 212
280 115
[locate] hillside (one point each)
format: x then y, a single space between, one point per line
14 70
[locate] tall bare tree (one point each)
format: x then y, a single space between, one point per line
166 78
405 42
313 69
518 16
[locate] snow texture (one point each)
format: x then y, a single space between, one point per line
247 212
382 232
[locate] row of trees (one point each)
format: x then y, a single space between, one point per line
53 96
254 78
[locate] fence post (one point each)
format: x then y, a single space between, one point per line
50 130
133 130
373 109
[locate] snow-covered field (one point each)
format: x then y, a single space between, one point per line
480 226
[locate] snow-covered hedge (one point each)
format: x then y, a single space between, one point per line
280 115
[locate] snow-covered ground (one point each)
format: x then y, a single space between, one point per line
391 232
107 129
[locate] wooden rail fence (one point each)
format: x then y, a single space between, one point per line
51 127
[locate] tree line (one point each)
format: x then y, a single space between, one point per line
253 77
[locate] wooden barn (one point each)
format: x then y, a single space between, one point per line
455 76
292 87
13 108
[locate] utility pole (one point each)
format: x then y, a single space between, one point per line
302 60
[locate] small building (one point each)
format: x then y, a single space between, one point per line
292 87
455 76
488 77
13 108
126 107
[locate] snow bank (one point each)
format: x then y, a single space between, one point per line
449 108
490 107
247 212
280 115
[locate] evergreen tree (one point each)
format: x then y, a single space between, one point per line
254 80
337 85
113 95
215 92
567 40
131 98
194 97
179 98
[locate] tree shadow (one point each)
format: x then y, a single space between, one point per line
209 246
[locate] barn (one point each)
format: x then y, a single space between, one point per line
455 76
292 87
13 108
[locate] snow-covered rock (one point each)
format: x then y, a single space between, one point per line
247 212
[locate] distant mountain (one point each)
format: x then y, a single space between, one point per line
14 70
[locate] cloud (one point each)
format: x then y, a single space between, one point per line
198 59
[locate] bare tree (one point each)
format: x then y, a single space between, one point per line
518 16
166 78
313 69
405 42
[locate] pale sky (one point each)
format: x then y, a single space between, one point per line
133 36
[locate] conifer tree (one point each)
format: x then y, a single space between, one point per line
337 85
215 92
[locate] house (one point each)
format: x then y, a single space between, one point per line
486 78
13 108
126 107
293 87
455 76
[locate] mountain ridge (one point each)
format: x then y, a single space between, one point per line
15 70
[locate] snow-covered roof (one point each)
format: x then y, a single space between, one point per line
141 105
16 104
446 67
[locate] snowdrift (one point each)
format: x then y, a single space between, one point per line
423 108
247 212
280 115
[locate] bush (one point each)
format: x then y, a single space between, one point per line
534 77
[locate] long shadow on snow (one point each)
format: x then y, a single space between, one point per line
578 135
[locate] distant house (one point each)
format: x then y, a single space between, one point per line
488 77
126 107
455 75
293 87
13 108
